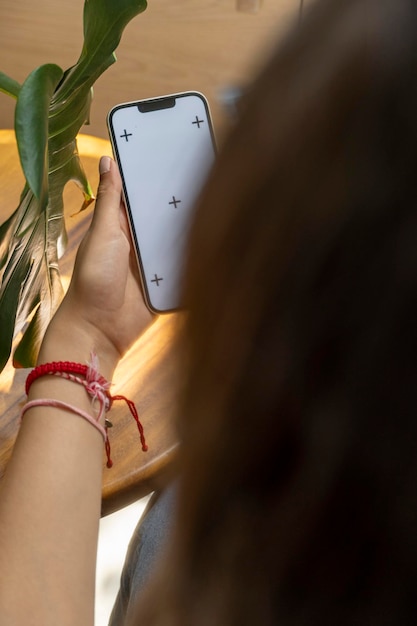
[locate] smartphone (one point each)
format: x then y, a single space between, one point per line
164 148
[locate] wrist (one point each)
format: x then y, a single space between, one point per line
69 338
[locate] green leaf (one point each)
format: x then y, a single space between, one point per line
31 126
8 85
65 120
27 351
77 174
51 108
104 23
29 275
29 248
68 168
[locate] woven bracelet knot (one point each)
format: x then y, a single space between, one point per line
98 392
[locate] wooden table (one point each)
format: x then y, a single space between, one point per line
147 374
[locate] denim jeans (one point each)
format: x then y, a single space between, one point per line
146 546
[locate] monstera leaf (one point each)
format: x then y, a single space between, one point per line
51 107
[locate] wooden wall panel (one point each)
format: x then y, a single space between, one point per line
175 45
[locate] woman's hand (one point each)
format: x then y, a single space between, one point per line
104 308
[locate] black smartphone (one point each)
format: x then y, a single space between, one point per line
164 148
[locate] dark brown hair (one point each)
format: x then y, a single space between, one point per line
298 491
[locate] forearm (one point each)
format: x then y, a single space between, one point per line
50 496
50 506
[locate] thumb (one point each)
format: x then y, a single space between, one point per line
105 233
109 195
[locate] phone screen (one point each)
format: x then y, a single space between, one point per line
164 148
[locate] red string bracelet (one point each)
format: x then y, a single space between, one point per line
96 386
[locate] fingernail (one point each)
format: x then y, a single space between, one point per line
105 164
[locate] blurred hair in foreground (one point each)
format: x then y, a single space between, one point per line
298 419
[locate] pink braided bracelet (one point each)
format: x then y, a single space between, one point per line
64 405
